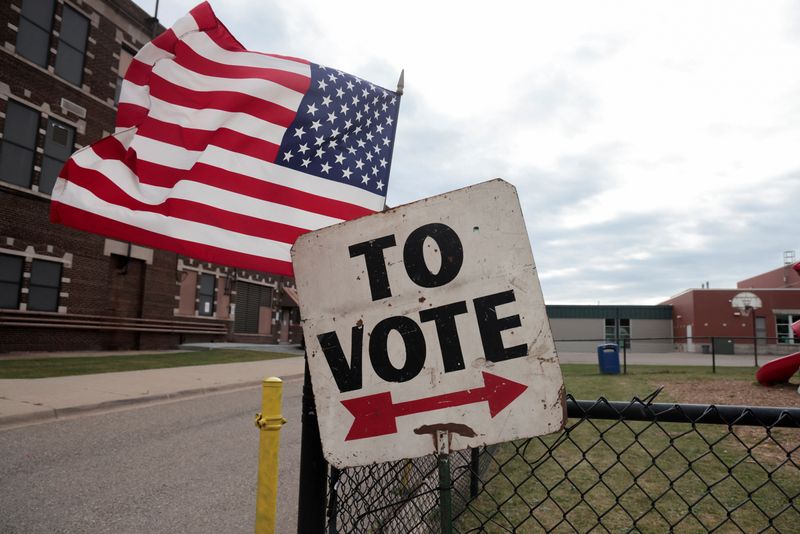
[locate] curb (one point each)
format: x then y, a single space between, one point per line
52 414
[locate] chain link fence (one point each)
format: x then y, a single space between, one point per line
616 467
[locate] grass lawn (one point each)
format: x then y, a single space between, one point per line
613 476
47 367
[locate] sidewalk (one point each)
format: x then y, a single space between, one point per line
24 401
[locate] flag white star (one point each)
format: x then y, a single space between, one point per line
331 77
369 156
383 163
369 136
302 148
326 101
319 140
365 179
360 143
386 141
348 124
351 150
379 128
345 109
305 162
332 143
350 85
316 125
374 170
326 168
331 118
365 92
299 132
359 164
356 100
357 130
346 173
335 132
287 156
320 152
339 158
323 85
389 121
339 92
312 109
379 185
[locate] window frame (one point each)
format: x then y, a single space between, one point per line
10 282
788 338
62 66
71 133
35 26
28 182
34 286
203 297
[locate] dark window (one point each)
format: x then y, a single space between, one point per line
58 145
72 45
205 302
45 285
10 280
784 327
33 34
250 298
615 331
19 144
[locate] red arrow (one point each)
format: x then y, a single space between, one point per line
375 415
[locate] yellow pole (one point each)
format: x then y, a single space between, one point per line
270 422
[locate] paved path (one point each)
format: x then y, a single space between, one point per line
24 401
32 400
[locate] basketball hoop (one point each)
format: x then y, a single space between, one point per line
746 302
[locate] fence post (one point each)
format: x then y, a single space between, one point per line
445 482
474 472
624 358
313 468
755 348
270 422
713 355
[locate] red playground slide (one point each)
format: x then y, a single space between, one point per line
778 370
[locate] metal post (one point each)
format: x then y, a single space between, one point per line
755 341
333 511
445 484
270 422
624 358
713 356
474 472
313 467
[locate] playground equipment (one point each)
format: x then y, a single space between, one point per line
778 370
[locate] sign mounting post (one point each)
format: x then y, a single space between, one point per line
427 319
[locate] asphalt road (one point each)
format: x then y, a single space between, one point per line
184 466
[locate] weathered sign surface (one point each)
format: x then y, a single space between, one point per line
427 317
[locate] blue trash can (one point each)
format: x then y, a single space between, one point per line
608 358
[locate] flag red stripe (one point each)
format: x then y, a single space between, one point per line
97 224
220 100
159 175
130 115
186 57
194 139
106 190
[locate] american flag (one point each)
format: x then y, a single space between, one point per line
228 155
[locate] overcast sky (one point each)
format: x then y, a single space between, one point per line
654 145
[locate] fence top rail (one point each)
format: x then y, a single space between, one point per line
641 410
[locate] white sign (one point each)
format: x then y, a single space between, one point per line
427 317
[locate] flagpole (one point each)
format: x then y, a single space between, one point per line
401 84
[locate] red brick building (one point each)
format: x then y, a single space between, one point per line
699 314
61 64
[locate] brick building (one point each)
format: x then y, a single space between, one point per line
700 314
61 65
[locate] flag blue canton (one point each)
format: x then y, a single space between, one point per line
343 131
